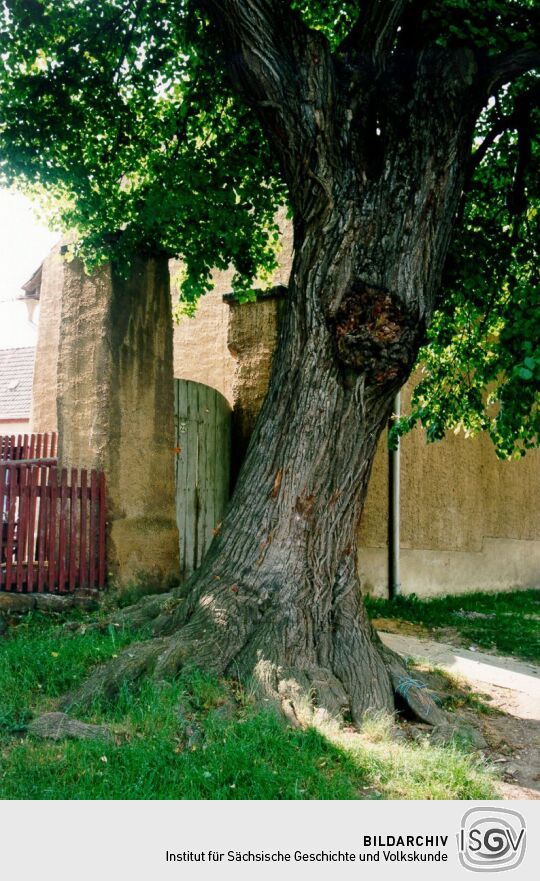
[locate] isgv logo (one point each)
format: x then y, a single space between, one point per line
491 839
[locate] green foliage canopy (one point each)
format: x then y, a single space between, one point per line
480 367
120 115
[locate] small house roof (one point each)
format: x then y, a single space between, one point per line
16 375
32 286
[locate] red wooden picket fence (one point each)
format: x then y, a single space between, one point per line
28 446
53 530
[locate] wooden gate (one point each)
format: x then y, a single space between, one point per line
203 446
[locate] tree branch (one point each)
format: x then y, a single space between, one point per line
257 45
518 120
509 65
285 71
502 125
376 28
517 198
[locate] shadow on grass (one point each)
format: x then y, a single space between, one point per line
197 738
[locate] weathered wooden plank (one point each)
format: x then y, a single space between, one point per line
187 502
12 517
93 529
53 484
52 535
12 514
31 543
4 505
185 493
200 424
192 480
202 468
207 470
62 533
73 530
101 531
223 461
22 526
42 528
28 446
41 461
83 565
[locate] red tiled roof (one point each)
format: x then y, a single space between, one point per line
16 375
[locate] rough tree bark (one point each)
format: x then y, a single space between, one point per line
374 148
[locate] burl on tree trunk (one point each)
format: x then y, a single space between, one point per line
375 164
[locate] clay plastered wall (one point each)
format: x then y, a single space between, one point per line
201 347
253 333
468 520
84 367
44 416
200 343
115 404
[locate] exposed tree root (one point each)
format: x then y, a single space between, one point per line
134 662
147 610
57 726
411 693
310 661
304 692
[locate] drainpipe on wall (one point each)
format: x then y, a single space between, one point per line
394 586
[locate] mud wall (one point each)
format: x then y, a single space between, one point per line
469 521
116 409
43 416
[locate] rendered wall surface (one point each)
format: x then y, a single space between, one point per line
469 521
115 408
43 417
203 351
230 347
252 337
200 343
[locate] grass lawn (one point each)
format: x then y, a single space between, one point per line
508 623
198 738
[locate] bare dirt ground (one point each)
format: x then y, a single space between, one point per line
507 717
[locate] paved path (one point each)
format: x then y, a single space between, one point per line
519 678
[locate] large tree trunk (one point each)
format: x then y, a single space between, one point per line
374 189
278 596
279 593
